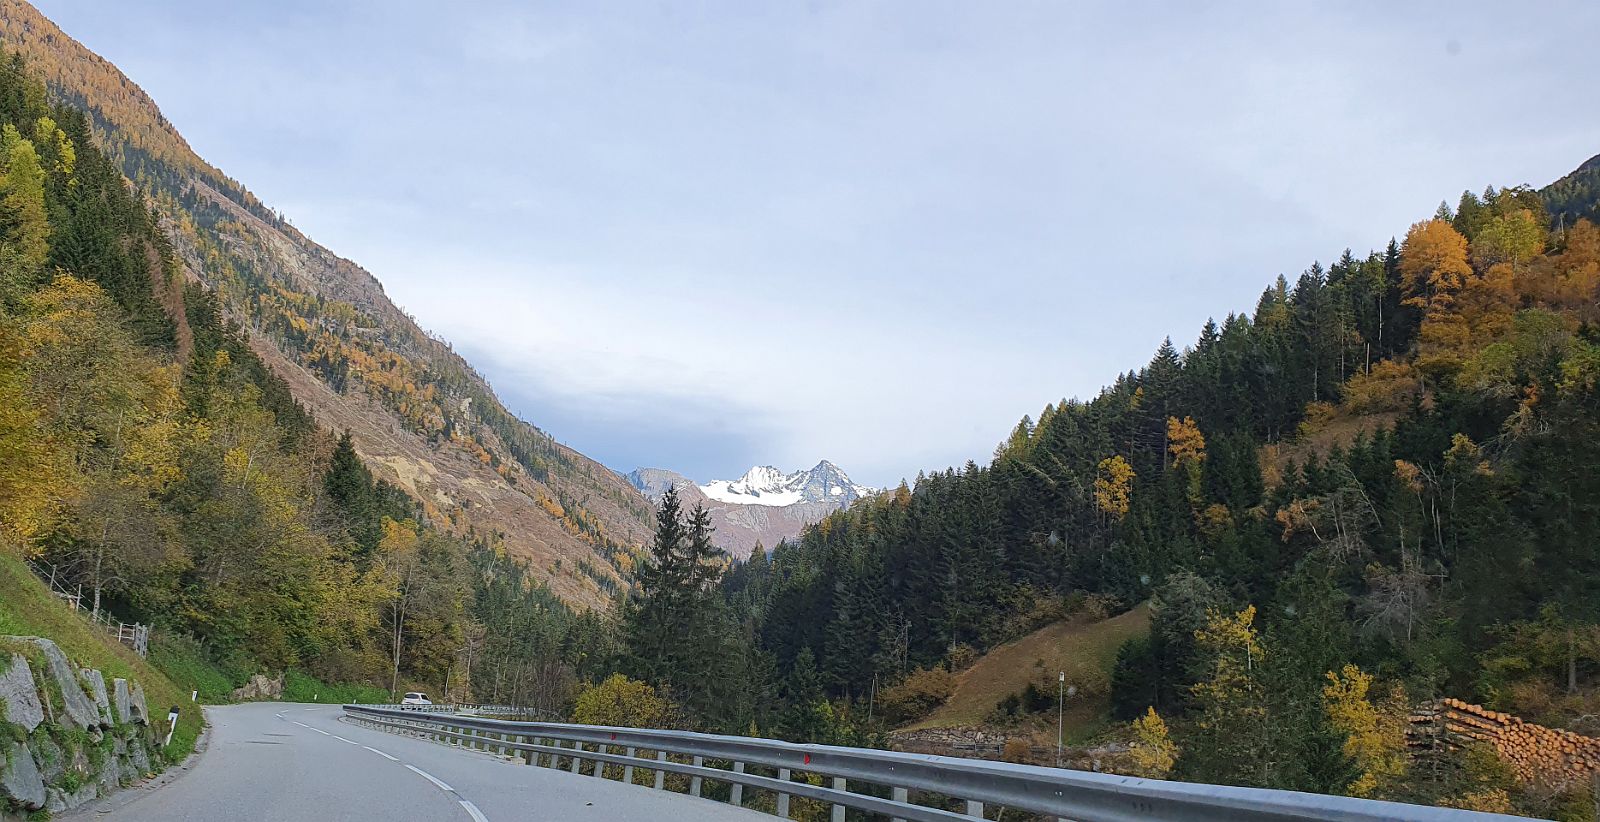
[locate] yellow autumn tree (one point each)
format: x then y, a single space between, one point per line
1512 238
1433 264
622 703
1187 447
1232 729
1113 488
29 481
23 219
1460 307
1375 734
1153 752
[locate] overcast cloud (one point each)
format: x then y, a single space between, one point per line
705 235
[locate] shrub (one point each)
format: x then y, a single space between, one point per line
961 656
1153 752
1016 749
623 702
918 694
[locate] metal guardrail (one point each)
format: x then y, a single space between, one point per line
885 783
472 710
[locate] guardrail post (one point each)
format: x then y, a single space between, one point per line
599 764
661 776
736 796
900 795
694 781
627 770
974 809
783 798
838 810
577 747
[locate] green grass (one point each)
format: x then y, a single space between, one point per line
1086 651
186 664
299 686
27 608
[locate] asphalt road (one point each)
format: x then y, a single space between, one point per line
279 762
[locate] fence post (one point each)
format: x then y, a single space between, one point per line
661 776
600 764
838 810
974 809
694 781
783 798
901 795
627 770
736 796
577 748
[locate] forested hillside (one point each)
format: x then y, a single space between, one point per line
150 456
1375 489
418 413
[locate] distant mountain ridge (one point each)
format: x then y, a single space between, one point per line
421 417
765 485
764 506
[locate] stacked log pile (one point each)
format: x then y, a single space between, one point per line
1536 754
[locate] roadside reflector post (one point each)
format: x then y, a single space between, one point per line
172 725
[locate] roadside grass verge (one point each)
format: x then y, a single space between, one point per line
27 608
299 686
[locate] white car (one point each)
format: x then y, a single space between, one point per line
416 698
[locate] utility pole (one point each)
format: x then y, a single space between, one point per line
1061 710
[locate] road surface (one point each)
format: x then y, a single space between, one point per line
280 762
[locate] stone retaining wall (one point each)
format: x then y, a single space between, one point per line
65 737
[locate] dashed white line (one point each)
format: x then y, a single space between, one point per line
301 724
472 811
320 731
382 754
342 739
431 778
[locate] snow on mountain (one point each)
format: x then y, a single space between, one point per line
765 485
762 507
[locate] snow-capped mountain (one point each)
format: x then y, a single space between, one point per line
765 485
762 507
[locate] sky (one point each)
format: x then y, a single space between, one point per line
703 236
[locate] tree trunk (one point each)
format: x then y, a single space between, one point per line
1572 661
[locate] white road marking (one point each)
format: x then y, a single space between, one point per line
301 724
308 709
342 739
320 731
472 811
431 778
382 754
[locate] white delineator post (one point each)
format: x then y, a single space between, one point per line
172 725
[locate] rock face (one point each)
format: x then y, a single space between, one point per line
122 701
20 695
141 711
20 780
96 683
80 709
57 772
260 686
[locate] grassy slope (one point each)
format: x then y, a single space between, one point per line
1085 651
27 608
